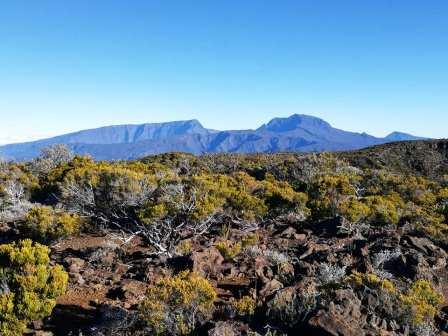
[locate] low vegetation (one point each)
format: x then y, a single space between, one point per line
177 244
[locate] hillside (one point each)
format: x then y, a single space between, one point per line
349 244
428 158
297 133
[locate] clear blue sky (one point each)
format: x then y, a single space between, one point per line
373 66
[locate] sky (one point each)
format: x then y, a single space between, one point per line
374 66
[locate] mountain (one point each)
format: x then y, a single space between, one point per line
399 136
428 158
297 133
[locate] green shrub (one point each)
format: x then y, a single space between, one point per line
250 239
175 305
280 196
244 306
44 223
29 286
328 192
353 210
385 210
422 301
228 249
372 281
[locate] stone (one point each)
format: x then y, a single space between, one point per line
207 262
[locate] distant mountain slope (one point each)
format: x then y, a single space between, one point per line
295 133
424 157
399 136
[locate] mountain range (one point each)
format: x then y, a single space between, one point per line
297 133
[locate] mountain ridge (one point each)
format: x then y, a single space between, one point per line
296 133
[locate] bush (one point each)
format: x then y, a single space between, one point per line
13 202
328 274
290 307
244 306
353 210
175 305
281 197
45 224
29 286
422 301
250 239
184 247
385 210
328 192
50 158
229 250
372 281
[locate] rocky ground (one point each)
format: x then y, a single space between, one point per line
110 274
339 245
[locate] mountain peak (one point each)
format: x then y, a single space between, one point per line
294 122
194 124
297 132
400 136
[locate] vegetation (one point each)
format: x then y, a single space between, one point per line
422 301
177 304
244 306
44 223
29 286
229 250
177 244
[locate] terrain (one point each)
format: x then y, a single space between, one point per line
345 243
297 133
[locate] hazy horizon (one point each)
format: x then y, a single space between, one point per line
44 136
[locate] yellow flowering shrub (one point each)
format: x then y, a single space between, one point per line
279 195
228 249
327 192
385 210
244 306
422 301
372 281
44 223
184 247
177 304
29 285
250 239
353 210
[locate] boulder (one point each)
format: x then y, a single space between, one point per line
207 262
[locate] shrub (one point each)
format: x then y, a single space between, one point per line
250 239
280 196
175 305
372 281
275 258
243 197
353 210
184 247
229 250
13 203
381 259
244 306
50 158
328 274
29 286
422 301
328 192
44 223
427 220
290 307
384 210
